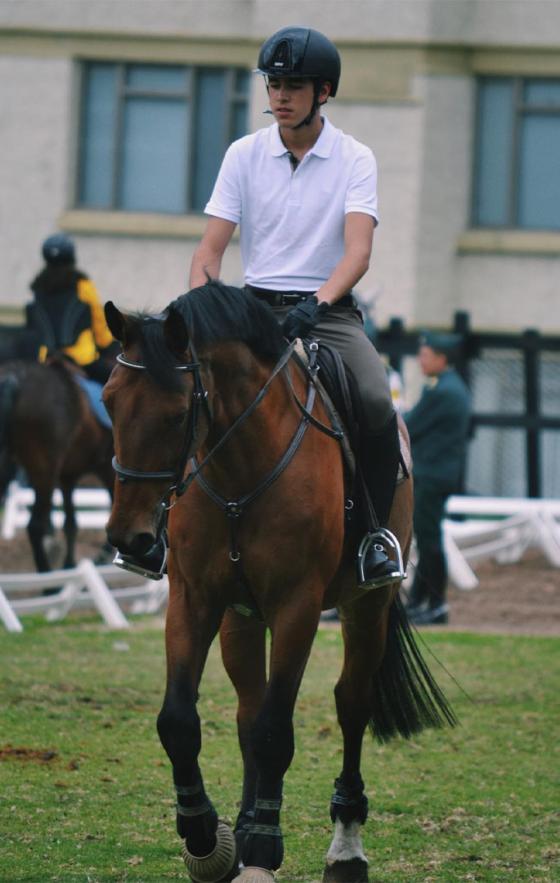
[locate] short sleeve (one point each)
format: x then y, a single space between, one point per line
225 201
361 195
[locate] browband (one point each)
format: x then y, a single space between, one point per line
122 359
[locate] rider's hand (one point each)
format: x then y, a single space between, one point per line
303 318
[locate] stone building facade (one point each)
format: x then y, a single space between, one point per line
412 87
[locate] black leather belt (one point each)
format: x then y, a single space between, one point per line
287 298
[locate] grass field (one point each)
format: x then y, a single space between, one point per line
86 788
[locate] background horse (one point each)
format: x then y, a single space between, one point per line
212 428
48 429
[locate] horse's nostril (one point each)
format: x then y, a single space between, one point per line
140 544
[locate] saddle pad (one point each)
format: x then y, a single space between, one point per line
343 407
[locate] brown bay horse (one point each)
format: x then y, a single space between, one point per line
215 446
50 431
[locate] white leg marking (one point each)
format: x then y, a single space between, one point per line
346 844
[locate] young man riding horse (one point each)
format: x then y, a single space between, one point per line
305 196
221 441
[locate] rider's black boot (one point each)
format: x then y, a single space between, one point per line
379 462
418 594
433 567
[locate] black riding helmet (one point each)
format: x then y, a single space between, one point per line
58 249
300 52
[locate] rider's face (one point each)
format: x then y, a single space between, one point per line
290 100
431 362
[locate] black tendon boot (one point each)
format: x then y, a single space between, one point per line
379 462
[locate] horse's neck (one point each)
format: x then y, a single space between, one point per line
258 441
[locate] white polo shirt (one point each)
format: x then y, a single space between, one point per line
292 222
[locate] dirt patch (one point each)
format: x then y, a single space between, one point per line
521 598
35 755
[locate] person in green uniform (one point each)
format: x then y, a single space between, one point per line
439 429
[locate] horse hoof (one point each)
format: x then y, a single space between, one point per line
219 863
254 875
353 871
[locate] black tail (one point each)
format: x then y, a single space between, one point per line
406 696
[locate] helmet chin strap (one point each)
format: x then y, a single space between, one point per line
314 107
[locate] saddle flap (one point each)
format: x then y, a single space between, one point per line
332 385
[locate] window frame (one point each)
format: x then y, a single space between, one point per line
233 98
520 109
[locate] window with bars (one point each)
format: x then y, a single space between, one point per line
152 136
517 161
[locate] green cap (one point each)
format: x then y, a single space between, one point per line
446 343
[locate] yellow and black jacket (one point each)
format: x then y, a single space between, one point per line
67 315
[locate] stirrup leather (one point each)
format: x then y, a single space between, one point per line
388 539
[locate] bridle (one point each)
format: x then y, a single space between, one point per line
199 400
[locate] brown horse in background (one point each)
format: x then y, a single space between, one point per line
221 442
49 430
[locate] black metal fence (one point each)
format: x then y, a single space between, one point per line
515 384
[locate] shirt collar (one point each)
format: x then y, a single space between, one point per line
322 147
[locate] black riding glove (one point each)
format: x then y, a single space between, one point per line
304 317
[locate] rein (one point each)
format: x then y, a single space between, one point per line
234 508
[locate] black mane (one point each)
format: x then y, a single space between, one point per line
212 313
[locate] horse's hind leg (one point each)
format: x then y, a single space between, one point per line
210 850
70 524
363 631
40 525
243 643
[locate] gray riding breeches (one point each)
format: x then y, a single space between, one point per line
342 328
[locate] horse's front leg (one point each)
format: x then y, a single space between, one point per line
272 734
209 850
243 644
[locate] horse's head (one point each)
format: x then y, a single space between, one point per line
158 408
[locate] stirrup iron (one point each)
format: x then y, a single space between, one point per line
388 539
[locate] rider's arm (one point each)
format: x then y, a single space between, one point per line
358 242
87 292
207 259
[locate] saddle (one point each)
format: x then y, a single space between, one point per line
339 392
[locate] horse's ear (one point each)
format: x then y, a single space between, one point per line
175 332
115 321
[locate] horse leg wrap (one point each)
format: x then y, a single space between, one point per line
263 845
219 863
349 803
196 817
